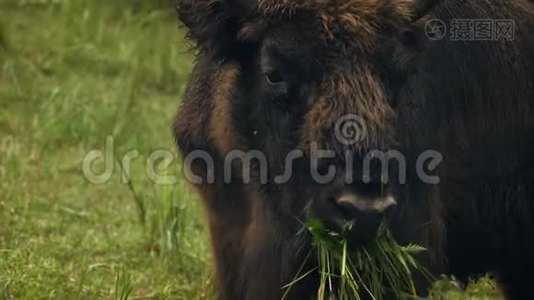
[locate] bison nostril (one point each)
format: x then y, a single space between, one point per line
346 211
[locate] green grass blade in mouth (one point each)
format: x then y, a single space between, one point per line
349 270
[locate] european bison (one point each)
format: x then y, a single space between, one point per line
276 76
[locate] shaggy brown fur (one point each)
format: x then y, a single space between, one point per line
221 125
471 101
357 91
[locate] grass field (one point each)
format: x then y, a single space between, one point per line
74 74
71 74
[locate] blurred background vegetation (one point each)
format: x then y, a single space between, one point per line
72 73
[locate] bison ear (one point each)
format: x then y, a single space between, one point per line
420 8
214 25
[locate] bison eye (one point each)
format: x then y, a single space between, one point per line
274 77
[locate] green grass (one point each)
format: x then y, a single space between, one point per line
378 269
72 74
359 271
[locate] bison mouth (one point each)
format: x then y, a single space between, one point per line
361 210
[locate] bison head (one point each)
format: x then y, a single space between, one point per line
322 77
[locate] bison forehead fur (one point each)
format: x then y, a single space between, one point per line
360 17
